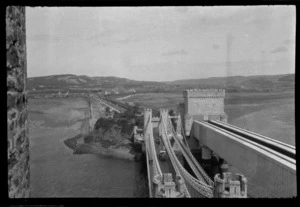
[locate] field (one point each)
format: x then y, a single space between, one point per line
156 100
269 114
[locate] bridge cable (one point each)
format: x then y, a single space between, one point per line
194 184
194 161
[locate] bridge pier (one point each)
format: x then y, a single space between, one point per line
188 122
206 154
180 185
223 165
215 166
157 185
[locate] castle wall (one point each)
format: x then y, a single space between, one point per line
200 102
17 128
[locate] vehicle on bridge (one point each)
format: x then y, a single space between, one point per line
162 154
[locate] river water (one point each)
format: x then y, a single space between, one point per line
56 172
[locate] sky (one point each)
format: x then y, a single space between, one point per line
161 43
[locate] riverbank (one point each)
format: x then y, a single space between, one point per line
57 172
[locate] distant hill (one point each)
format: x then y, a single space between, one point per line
69 81
232 83
244 83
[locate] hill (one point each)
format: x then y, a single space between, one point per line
123 85
243 83
69 81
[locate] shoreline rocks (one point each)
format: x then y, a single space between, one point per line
121 151
110 137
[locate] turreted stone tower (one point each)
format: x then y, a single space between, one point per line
202 104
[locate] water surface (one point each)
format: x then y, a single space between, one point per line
56 172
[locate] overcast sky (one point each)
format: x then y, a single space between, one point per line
160 43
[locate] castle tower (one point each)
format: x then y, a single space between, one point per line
164 118
203 104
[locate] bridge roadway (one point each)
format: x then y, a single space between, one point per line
165 166
266 163
282 148
106 104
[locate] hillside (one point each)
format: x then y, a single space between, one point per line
123 85
243 83
69 81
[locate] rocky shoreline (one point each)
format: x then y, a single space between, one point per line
79 147
111 136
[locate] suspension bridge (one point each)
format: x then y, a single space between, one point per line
168 152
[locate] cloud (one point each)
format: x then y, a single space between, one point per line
279 49
176 52
215 46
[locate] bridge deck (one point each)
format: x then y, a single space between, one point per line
263 167
165 166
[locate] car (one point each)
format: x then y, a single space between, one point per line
162 155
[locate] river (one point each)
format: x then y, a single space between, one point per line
56 172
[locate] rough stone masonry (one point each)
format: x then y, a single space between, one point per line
17 129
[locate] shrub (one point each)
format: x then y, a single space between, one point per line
88 139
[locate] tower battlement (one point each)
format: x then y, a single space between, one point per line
204 93
204 101
202 104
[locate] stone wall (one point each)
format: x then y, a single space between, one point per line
202 104
207 101
17 130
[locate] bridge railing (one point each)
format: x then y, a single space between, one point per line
148 155
149 142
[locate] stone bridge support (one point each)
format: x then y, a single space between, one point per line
147 118
227 186
164 117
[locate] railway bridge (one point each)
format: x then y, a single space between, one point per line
201 124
